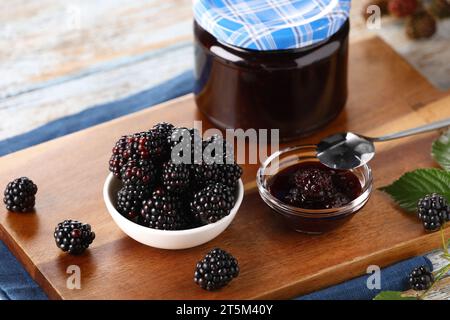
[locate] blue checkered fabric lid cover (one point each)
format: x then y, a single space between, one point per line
271 24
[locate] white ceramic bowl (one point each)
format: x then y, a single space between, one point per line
177 239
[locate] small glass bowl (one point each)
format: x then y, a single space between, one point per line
309 221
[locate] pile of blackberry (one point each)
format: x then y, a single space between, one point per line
168 183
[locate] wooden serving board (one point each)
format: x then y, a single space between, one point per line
386 94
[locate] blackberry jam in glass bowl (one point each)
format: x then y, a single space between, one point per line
271 65
311 197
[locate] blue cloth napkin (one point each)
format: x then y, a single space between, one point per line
393 278
15 283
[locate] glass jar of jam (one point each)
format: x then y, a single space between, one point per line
271 64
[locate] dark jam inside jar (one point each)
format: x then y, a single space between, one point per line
311 185
296 91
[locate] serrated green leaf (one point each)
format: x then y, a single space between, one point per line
392 295
441 151
414 185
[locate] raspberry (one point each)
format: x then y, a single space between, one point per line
402 8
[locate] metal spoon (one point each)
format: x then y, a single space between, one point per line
349 150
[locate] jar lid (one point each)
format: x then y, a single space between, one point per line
271 24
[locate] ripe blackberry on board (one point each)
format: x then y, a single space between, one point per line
216 270
20 195
73 236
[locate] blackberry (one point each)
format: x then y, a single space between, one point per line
231 173
204 174
420 278
212 203
142 172
117 160
146 145
433 210
216 270
127 148
20 195
73 236
216 142
311 186
157 144
130 198
190 139
164 129
175 177
162 211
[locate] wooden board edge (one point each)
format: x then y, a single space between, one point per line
357 267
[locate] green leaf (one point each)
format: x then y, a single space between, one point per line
392 295
414 185
441 151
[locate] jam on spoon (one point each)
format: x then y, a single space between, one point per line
312 185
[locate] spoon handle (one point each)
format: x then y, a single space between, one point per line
429 127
